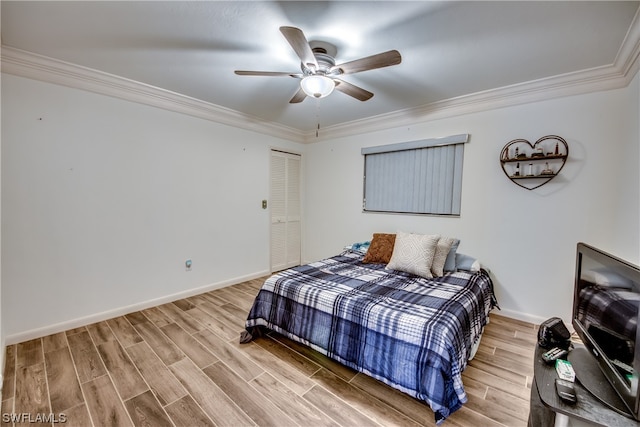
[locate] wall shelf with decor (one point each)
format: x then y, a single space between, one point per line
532 165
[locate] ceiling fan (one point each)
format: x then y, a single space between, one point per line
319 76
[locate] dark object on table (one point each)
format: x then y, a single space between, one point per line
566 390
552 355
553 333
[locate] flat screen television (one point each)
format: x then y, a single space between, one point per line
605 317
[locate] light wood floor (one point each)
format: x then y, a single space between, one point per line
181 364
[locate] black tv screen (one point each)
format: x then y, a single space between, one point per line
605 317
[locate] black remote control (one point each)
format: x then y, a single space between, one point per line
566 390
553 354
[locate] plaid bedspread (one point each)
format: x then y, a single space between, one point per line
412 333
596 305
610 314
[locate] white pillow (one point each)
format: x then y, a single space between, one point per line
607 278
450 263
440 258
467 263
413 253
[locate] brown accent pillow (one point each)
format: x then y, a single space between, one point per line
381 249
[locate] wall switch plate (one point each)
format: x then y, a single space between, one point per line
264 204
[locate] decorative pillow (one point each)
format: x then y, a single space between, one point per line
413 253
442 251
450 263
381 248
466 262
361 247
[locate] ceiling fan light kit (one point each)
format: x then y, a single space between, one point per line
317 86
320 73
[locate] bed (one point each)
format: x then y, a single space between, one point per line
413 333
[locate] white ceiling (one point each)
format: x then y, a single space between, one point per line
449 49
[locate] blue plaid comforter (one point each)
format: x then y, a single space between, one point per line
412 333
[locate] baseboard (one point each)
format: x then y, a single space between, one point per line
109 314
3 359
3 349
99 317
525 317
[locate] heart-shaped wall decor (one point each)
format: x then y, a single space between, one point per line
533 165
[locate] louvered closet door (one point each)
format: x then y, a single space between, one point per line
285 210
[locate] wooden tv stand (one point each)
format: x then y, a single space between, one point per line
545 403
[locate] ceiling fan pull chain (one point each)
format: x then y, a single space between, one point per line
318 117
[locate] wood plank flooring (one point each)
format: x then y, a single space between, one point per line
180 364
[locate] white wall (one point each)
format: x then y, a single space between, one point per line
526 238
629 193
2 333
103 200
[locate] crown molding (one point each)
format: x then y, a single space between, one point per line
38 67
594 80
628 57
617 75
614 76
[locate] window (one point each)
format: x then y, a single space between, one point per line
418 177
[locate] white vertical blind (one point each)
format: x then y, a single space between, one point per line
285 210
423 177
293 211
278 212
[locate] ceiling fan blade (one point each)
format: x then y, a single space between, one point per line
267 73
352 90
380 60
300 45
298 97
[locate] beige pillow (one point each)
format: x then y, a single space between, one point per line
380 249
440 258
413 253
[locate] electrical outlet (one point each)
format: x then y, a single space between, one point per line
188 264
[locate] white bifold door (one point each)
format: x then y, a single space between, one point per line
285 210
